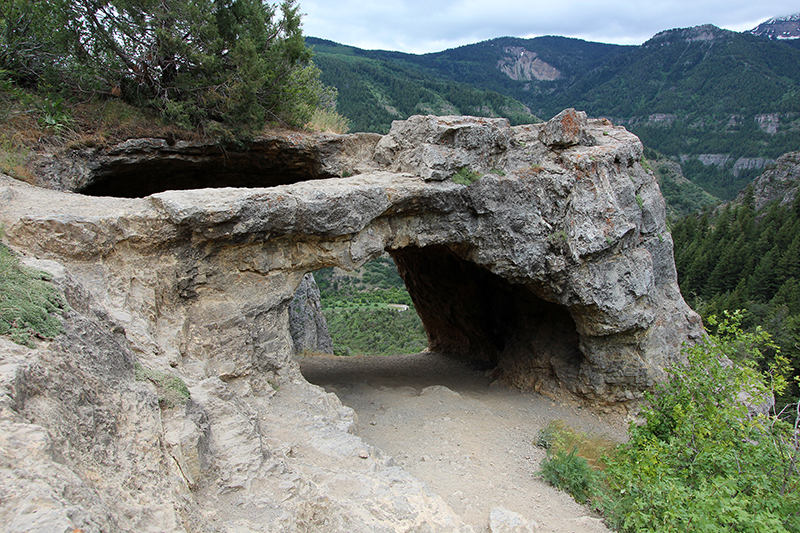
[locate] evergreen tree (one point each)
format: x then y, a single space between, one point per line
236 63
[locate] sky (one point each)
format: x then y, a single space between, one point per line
421 26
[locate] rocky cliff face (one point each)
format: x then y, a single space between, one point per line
778 182
521 64
554 267
307 324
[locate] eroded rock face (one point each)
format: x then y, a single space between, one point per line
307 324
554 268
565 230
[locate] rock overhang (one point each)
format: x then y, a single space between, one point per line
564 222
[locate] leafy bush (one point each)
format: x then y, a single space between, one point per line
29 304
701 461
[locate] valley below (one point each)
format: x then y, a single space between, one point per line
472 441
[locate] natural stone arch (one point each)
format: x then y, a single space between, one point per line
565 223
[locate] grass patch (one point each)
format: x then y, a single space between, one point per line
570 473
465 176
559 437
574 459
29 304
171 390
327 121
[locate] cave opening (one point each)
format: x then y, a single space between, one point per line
157 167
472 315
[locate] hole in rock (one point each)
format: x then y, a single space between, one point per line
149 171
467 312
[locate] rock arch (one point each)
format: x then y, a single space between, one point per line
556 262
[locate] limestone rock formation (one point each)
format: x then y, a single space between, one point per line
555 265
554 268
780 183
307 324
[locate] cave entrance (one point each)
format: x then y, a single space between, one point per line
149 166
471 314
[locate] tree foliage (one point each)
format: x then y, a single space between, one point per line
736 258
701 461
238 63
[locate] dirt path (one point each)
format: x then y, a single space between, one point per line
472 442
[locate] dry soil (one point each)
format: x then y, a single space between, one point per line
471 440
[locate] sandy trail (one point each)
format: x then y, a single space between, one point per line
472 442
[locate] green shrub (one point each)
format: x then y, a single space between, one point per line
29 304
700 461
570 473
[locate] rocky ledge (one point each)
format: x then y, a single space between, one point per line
538 251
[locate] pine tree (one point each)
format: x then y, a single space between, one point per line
231 63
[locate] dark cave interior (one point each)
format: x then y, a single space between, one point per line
266 164
471 313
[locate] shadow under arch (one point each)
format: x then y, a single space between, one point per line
470 313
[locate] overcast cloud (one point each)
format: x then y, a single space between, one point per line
420 26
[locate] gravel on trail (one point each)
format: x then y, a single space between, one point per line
471 440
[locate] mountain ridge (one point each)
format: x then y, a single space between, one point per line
723 103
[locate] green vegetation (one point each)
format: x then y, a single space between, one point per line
171 390
682 95
573 458
739 259
571 473
220 66
699 461
682 196
356 307
465 176
379 87
375 331
29 304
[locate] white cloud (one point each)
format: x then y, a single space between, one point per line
419 26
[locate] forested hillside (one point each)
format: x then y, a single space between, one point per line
681 195
374 91
720 103
746 255
369 311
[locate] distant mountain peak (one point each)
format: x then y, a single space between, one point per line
705 32
779 28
